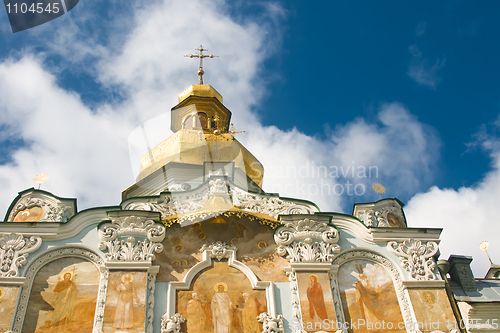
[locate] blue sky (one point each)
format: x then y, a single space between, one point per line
409 89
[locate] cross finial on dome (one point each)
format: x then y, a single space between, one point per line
201 56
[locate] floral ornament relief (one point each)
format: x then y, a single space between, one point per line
307 241
172 324
131 239
416 257
14 251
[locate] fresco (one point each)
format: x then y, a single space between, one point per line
432 309
221 301
255 243
63 297
8 296
316 302
369 298
125 302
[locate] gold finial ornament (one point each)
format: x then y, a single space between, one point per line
233 131
40 179
484 247
201 56
379 188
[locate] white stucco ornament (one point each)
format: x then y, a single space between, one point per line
218 250
270 324
307 241
172 324
416 257
14 251
131 238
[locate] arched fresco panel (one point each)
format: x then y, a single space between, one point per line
222 300
63 297
368 298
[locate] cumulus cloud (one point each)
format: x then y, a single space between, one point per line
467 214
421 72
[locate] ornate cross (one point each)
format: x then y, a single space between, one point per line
233 131
201 56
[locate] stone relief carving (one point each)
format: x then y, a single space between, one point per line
219 250
337 303
297 315
151 301
120 238
307 241
172 204
378 217
219 186
46 258
416 257
53 211
14 250
270 324
271 206
172 324
398 283
103 288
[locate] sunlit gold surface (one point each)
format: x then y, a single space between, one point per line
202 90
195 147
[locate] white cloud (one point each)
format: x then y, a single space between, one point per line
421 72
467 215
85 149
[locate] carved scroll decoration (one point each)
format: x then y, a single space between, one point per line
14 251
272 206
307 241
218 250
172 324
416 257
53 212
131 238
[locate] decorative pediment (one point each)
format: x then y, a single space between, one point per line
131 237
307 240
383 213
174 204
35 205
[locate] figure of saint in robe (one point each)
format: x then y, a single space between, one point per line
221 309
124 315
195 315
316 300
64 305
249 315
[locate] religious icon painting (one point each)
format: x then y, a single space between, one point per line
125 302
368 298
222 300
8 296
316 302
433 310
63 297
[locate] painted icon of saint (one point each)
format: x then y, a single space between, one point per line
64 305
249 315
124 315
195 315
221 309
316 300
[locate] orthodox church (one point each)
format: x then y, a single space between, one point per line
196 246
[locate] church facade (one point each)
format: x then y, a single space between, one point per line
197 246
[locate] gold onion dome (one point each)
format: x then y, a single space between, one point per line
200 123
